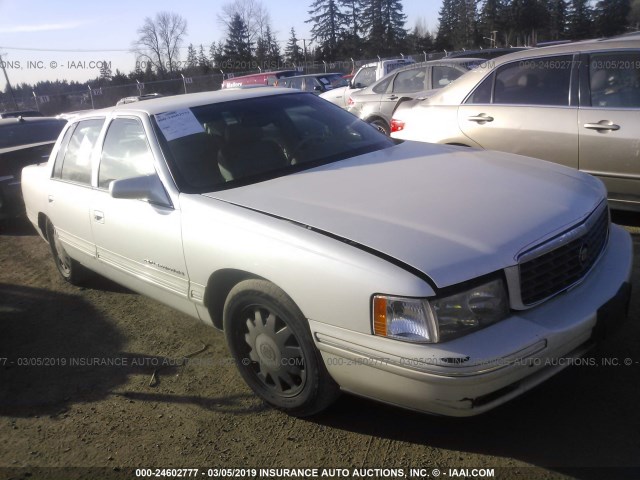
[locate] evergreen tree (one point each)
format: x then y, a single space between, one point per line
192 58
580 24
237 49
612 16
203 62
328 22
105 70
292 51
557 19
393 20
491 21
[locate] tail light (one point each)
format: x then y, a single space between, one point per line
396 125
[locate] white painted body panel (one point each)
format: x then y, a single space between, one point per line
452 213
403 221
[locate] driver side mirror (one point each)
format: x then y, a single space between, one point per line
147 187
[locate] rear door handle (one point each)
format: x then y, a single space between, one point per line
482 118
602 126
98 216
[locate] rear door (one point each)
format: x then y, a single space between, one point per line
527 107
609 122
70 191
404 84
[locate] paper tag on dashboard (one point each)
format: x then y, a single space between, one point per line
178 123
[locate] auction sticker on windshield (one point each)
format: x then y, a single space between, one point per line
177 124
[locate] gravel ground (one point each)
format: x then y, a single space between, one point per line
115 418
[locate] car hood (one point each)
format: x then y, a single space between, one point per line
453 213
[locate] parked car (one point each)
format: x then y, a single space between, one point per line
262 78
576 104
375 104
365 76
20 113
23 141
315 83
437 278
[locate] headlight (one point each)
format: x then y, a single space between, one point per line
440 319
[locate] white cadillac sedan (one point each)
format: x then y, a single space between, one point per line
436 278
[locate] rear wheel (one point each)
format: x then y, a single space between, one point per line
271 343
70 270
381 126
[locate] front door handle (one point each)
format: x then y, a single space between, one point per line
482 118
602 126
392 97
98 216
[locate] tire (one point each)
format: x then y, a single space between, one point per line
270 340
69 269
381 126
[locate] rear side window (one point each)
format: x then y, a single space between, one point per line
443 75
125 153
536 81
382 86
76 163
410 81
614 80
482 93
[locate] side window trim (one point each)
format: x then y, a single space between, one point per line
59 161
104 139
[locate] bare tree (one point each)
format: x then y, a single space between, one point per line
159 40
252 12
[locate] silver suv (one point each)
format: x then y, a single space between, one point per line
376 103
576 104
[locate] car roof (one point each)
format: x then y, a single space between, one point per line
176 102
315 75
25 120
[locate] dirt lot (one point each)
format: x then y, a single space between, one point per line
203 416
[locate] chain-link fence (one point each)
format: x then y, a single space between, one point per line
49 103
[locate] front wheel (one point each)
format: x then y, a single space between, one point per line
69 269
271 343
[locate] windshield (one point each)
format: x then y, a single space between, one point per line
240 142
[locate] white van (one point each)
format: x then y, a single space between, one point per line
366 75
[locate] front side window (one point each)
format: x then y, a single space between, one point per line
125 153
535 81
614 79
364 77
76 164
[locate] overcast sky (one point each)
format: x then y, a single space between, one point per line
38 37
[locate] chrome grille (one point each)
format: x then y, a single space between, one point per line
553 271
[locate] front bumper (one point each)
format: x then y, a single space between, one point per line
480 371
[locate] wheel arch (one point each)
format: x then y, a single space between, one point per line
218 287
42 225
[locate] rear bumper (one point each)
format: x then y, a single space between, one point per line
493 365
11 203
